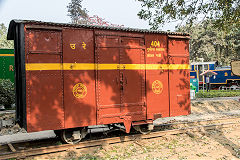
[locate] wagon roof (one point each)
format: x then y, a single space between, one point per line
14 22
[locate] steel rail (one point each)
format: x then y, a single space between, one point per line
201 127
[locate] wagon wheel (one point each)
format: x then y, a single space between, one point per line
72 136
142 129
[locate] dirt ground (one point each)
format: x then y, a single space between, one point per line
219 144
214 106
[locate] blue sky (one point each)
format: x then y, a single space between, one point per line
115 11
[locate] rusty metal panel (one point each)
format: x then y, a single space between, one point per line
157 80
44 100
179 79
107 42
178 47
78 46
108 84
44 93
79 84
132 42
44 41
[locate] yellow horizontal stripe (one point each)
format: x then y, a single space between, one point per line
92 66
6 55
108 66
157 66
179 66
79 66
43 66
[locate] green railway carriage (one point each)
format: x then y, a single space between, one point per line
7 64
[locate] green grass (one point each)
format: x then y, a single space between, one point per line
218 93
89 157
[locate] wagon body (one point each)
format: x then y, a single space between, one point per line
72 76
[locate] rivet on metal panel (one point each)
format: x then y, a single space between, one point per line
71 66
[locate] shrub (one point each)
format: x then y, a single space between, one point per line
218 93
7 93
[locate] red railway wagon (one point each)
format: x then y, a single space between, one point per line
73 76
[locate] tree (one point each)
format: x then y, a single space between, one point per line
79 15
4 43
226 13
212 44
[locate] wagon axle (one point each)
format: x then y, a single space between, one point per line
71 136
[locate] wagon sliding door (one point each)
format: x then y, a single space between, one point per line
132 75
107 54
179 79
44 87
120 80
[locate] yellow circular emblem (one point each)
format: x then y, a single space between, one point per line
157 87
79 90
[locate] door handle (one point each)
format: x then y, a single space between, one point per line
121 79
121 82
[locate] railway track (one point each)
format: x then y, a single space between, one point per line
159 131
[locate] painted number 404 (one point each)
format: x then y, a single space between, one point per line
155 44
